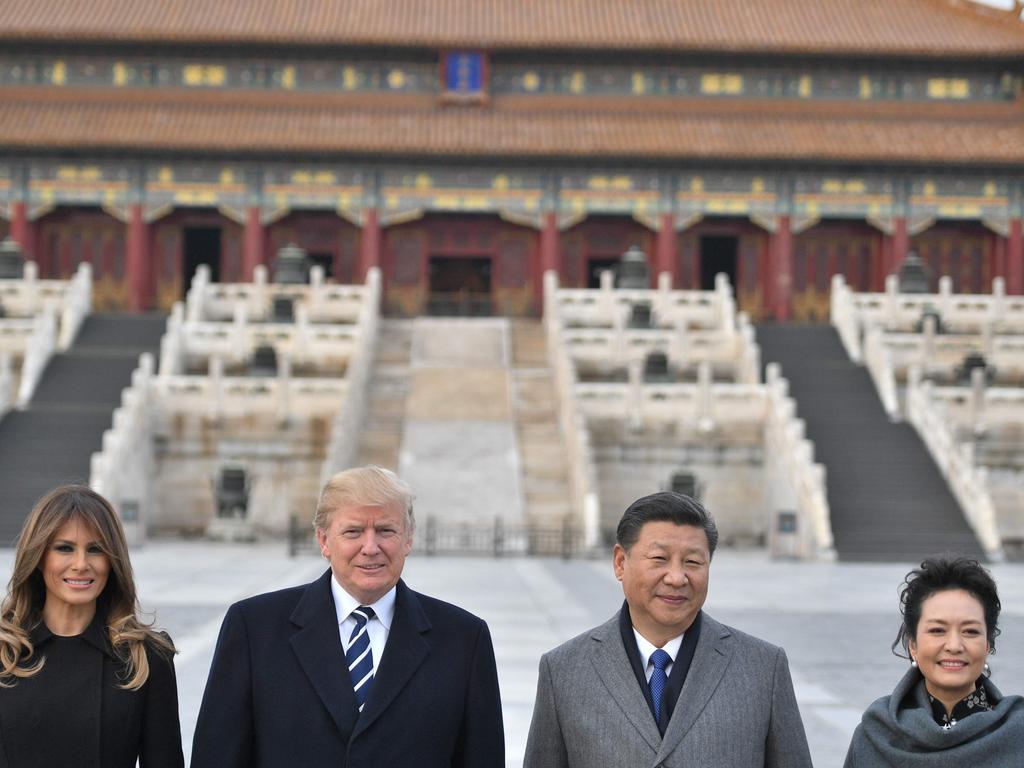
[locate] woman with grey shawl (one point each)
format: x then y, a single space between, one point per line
945 712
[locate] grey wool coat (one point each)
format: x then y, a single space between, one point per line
899 731
736 709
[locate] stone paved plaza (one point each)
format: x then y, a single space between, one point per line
836 621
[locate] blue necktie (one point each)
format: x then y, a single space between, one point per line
360 657
660 660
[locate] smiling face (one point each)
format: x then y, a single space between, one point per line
74 569
367 547
665 578
951 644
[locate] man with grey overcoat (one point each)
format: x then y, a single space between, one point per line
662 684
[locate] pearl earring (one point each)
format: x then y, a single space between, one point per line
913 663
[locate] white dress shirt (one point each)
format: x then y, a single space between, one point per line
377 627
647 650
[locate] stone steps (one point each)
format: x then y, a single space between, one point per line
545 483
381 438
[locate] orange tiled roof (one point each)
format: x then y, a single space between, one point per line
510 127
916 27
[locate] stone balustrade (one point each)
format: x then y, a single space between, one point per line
579 458
934 412
739 422
895 311
123 469
610 307
797 481
321 302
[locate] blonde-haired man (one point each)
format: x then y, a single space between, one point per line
354 669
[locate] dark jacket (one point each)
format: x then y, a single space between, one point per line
279 692
74 712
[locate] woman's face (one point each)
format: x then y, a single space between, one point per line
74 567
951 643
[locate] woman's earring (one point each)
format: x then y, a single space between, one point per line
913 663
986 670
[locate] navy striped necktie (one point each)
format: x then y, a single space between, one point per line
360 656
660 659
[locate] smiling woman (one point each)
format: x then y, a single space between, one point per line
82 680
945 711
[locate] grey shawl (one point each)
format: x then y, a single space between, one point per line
899 731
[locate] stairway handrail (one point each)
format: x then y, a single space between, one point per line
844 317
786 444
342 450
122 470
878 359
579 454
967 481
39 349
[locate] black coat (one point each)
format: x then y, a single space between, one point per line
279 692
73 712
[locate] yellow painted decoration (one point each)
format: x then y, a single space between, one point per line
721 84
500 182
620 183
288 78
948 88
804 87
960 211
598 182
990 189
196 75
344 200
227 177
866 89
696 184
325 177
302 177
578 82
728 206
350 78
531 81
639 83
60 73
423 181
757 185
396 79
929 189
120 74
578 204
165 175
391 201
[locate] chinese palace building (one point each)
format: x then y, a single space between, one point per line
465 146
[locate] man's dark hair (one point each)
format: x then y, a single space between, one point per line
938 574
667 507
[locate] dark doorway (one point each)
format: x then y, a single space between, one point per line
595 267
202 246
325 260
717 254
460 286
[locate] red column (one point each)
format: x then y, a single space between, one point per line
21 228
1015 258
782 269
550 258
252 245
900 246
137 260
666 256
369 244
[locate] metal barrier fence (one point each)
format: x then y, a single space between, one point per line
496 539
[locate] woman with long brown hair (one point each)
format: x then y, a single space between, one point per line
83 680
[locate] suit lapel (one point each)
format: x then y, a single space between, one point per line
613 669
710 660
317 646
405 651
